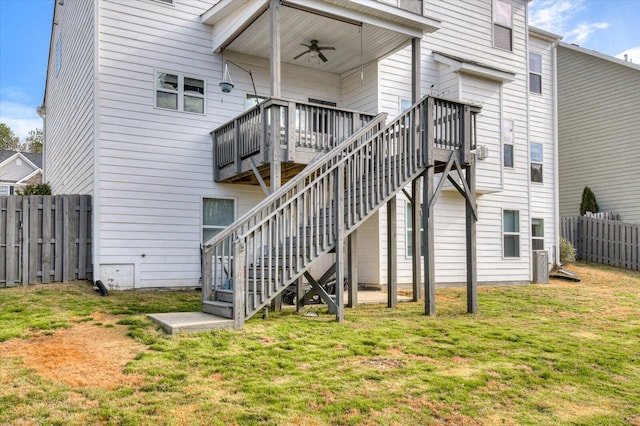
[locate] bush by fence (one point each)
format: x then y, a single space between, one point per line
44 238
608 242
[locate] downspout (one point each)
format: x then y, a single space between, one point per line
95 212
42 112
556 160
528 97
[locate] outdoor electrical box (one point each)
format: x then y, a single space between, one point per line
540 261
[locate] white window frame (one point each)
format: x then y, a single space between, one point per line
410 229
510 234
536 162
536 237
221 227
535 72
499 21
5 190
180 92
252 101
507 139
404 104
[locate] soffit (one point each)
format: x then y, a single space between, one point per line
331 26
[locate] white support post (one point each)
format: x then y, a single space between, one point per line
274 7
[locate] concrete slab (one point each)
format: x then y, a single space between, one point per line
181 322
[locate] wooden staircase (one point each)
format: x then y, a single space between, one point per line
252 261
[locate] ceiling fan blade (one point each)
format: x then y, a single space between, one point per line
303 53
326 48
305 45
321 56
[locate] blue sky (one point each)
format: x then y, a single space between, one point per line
608 26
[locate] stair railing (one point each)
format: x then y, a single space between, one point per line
276 242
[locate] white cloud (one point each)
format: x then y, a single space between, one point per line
559 18
553 15
633 54
21 118
581 33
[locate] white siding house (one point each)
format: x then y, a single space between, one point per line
132 96
599 131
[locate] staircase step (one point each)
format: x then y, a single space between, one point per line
224 296
221 309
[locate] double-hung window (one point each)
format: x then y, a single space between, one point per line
507 143
535 73
217 214
410 230
536 162
180 93
510 233
5 190
502 25
537 234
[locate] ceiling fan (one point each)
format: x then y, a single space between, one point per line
315 50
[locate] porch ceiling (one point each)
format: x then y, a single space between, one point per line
330 26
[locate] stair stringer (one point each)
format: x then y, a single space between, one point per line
284 235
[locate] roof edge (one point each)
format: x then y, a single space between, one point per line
599 55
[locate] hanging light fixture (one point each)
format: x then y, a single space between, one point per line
226 85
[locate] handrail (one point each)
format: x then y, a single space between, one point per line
275 242
286 187
302 125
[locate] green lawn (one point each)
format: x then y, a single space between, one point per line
559 353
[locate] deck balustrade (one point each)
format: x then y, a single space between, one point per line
275 243
304 131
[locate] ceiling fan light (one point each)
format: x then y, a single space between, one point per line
314 53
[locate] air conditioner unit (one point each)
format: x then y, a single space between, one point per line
482 152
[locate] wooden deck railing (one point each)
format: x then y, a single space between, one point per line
276 242
302 125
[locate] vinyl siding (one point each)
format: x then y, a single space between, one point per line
13 172
541 131
69 131
156 164
466 33
598 133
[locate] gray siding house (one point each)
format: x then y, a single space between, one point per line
18 169
598 131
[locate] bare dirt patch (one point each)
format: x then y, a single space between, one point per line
86 355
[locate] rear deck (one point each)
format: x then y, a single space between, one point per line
242 146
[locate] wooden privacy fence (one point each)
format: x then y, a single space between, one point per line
44 238
608 242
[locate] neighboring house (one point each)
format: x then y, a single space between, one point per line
18 169
132 96
598 131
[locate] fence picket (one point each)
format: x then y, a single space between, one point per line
604 241
44 239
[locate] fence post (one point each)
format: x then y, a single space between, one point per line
25 241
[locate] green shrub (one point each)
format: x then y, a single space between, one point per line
37 189
567 251
588 203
